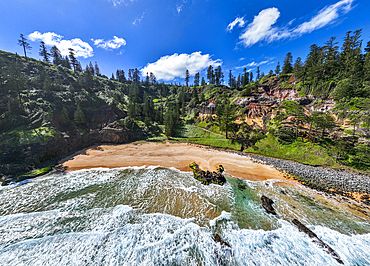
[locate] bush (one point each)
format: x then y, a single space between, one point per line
130 123
285 135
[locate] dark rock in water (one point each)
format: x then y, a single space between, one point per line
226 251
317 240
267 205
242 187
207 177
218 239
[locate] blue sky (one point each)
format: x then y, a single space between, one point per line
167 37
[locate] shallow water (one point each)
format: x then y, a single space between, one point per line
161 216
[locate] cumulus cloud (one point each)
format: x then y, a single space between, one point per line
171 66
115 43
81 48
261 28
238 21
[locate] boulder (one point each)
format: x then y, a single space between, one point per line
207 177
267 204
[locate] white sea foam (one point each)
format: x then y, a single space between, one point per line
111 217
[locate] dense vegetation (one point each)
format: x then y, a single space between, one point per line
41 102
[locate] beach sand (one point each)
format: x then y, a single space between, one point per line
178 155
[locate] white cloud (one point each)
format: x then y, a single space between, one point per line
115 43
138 20
324 17
261 28
81 48
179 8
252 64
171 66
118 2
238 21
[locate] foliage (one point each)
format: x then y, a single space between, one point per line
304 152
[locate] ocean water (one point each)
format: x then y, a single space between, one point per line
162 216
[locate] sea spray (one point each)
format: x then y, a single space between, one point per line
161 216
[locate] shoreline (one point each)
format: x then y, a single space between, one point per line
179 155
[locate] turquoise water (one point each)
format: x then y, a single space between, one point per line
161 216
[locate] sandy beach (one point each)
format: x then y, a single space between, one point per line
178 155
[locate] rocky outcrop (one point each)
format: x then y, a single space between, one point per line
207 177
267 205
317 240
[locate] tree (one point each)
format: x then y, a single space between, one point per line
79 116
65 63
298 67
323 121
43 52
97 70
187 75
91 68
23 42
72 57
245 136
152 78
231 83
258 73
196 79
219 76
210 75
55 53
287 66
16 80
251 77
226 115
277 70
203 82
295 111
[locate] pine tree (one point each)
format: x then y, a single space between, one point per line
203 82
43 52
226 115
367 63
251 77
196 79
258 74
219 76
187 75
23 42
72 58
55 53
287 66
91 68
152 78
298 67
65 63
97 70
277 70
210 75
79 116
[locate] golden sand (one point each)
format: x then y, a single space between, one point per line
178 155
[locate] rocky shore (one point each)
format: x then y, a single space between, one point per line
333 181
